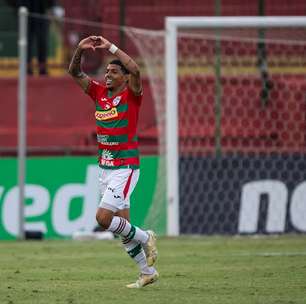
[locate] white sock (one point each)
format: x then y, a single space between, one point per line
136 252
122 227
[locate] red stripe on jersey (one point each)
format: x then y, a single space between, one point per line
123 146
112 131
133 161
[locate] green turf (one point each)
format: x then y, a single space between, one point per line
207 270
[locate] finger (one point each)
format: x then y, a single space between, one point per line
98 43
93 38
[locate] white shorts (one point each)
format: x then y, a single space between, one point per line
116 186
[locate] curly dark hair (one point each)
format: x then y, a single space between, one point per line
123 68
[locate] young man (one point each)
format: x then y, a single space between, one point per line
117 106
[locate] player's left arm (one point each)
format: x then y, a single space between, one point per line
135 77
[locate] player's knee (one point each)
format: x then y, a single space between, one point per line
103 220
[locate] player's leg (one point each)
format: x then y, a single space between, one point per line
148 275
114 216
134 248
150 245
120 184
118 225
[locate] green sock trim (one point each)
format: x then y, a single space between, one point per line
136 250
132 232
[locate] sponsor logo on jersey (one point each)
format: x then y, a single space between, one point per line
107 158
106 162
105 115
107 154
103 139
116 101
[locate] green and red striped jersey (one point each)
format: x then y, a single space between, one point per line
116 122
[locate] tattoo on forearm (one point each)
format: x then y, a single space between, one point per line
75 65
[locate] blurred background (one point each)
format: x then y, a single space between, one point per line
53 131
258 132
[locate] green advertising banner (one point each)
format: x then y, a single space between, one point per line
62 195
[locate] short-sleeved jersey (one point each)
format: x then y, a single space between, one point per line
116 123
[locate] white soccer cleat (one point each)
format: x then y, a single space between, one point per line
150 248
144 280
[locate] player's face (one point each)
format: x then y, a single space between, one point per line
114 76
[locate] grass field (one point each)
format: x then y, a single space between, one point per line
204 270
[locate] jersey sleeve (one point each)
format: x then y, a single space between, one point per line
135 98
93 89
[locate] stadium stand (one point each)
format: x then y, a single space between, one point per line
57 127
60 118
246 124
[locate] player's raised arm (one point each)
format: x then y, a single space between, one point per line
134 79
75 69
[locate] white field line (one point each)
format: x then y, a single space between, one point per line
266 254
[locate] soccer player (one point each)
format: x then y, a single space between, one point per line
117 106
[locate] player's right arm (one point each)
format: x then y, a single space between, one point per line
75 69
